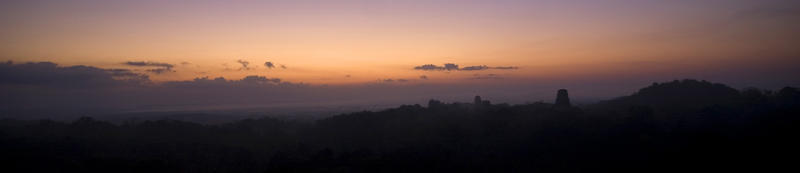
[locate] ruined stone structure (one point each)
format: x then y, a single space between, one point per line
562 99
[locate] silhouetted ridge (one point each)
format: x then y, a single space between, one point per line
679 93
753 131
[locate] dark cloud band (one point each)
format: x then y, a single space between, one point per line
455 67
149 64
160 66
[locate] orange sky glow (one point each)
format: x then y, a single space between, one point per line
353 42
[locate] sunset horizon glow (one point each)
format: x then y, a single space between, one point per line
357 42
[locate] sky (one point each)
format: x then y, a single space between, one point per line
501 47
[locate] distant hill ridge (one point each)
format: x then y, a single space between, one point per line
679 93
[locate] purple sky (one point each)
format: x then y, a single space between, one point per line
135 54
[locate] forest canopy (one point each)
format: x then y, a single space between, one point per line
663 127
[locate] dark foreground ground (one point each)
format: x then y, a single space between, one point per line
686 126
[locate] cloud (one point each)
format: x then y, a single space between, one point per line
149 64
260 80
244 64
162 67
505 68
480 67
46 85
423 77
269 65
128 75
452 66
431 67
121 72
159 70
185 63
48 74
248 81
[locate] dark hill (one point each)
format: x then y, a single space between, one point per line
687 93
729 131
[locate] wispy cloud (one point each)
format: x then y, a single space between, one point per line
159 70
51 75
455 67
269 65
505 67
160 66
244 64
149 64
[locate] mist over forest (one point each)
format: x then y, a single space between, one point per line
668 126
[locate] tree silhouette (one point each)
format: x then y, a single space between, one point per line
672 126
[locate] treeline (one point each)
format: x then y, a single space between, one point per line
683 125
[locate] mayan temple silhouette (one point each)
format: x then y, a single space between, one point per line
562 99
